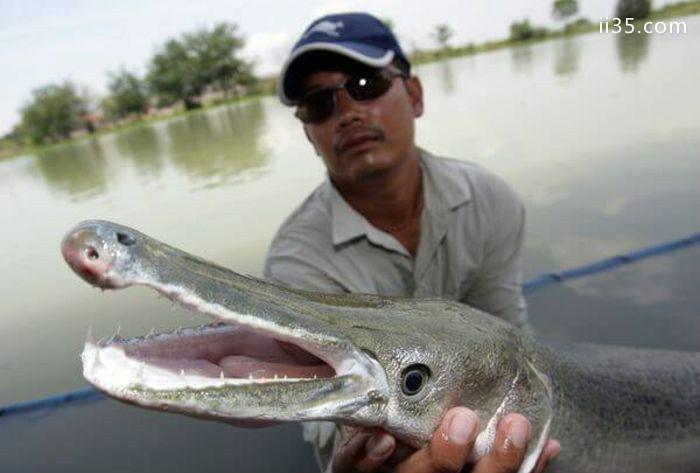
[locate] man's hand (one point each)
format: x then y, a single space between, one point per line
448 449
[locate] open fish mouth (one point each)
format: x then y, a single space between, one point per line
202 357
260 361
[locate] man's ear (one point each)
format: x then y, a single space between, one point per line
308 137
415 93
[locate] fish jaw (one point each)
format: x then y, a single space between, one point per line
204 372
111 256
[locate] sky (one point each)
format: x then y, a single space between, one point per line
49 41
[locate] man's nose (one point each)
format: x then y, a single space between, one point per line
348 109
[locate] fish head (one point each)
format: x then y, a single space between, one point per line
435 355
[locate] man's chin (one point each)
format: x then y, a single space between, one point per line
368 166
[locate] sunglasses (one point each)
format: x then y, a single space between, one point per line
318 105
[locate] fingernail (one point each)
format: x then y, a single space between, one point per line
379 446
556 448
518 433
461 428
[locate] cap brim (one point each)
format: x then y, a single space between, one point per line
362 53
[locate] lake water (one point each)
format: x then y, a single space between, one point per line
599 134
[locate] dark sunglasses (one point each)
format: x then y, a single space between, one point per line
317 105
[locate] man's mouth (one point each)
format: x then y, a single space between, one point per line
356 141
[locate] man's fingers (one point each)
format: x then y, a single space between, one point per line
449 448
509 446
349 451
363 452
377 451
550 451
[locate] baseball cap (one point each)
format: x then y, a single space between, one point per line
359 37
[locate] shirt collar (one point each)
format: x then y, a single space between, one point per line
347 222
442 184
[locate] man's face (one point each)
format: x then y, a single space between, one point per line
362 139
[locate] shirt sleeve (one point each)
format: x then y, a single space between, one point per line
498 285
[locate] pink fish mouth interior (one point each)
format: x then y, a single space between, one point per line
224 352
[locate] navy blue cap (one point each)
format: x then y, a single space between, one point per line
356 36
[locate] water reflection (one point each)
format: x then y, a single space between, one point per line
76 169
213 147
448 79
632 49
521 59
566 57
649 304
141 147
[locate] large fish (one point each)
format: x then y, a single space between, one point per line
279 354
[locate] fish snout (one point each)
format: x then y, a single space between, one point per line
91 251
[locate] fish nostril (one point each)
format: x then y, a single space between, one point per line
125 239
92 253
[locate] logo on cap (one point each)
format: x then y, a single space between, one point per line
325 27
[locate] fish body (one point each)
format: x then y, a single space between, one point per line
280 354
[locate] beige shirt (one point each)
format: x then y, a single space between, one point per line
472 229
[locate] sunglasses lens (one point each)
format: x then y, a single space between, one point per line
368 86
316 106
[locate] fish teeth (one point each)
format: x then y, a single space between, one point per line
97 360
221 375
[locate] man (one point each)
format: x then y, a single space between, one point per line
393 219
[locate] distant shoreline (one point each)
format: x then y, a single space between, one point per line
266 85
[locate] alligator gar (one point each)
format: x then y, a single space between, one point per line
279 354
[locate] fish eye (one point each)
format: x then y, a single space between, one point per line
413 379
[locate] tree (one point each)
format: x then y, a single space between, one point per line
127 95
522 31
185 67
442 34
632 9
173 75
216 52
562 9
54 113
